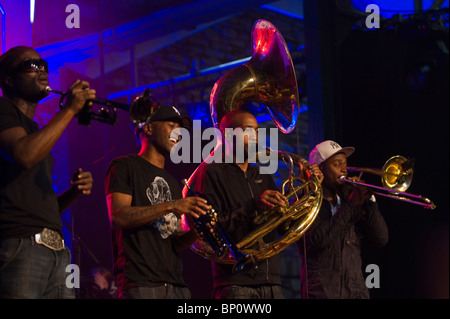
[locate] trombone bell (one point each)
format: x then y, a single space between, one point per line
397 173
396 177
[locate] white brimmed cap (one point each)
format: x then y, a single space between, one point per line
326 149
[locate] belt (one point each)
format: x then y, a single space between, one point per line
50 239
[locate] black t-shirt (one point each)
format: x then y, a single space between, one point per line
28 202
145 256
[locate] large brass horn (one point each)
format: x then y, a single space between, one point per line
269 78
304 198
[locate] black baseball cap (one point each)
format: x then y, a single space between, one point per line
145 109
170 113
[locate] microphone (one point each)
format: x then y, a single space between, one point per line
50 90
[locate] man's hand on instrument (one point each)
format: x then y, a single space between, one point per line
78 94
359 193
193 205
314 170
271 198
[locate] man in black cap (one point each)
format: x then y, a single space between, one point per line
33 258
145 204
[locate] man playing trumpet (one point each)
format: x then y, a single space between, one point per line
33 257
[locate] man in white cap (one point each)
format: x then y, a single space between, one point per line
330 252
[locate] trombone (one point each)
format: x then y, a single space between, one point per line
396 177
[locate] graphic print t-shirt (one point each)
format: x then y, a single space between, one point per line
145 256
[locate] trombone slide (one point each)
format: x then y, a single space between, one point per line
402 196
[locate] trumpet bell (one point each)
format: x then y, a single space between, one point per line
397 173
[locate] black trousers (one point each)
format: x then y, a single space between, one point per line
248 292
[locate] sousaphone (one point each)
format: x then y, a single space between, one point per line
267 78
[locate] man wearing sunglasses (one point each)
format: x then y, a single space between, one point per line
33 257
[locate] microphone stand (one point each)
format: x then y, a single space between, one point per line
77 244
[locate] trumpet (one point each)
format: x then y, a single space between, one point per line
218 240
106 114
396 176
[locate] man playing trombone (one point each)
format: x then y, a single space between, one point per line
330 252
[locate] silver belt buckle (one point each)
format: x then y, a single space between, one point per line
50 239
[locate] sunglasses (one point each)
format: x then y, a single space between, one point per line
32 65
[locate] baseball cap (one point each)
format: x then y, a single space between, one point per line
170 113
326 149
144 110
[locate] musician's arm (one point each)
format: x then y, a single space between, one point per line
26 150
82 183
